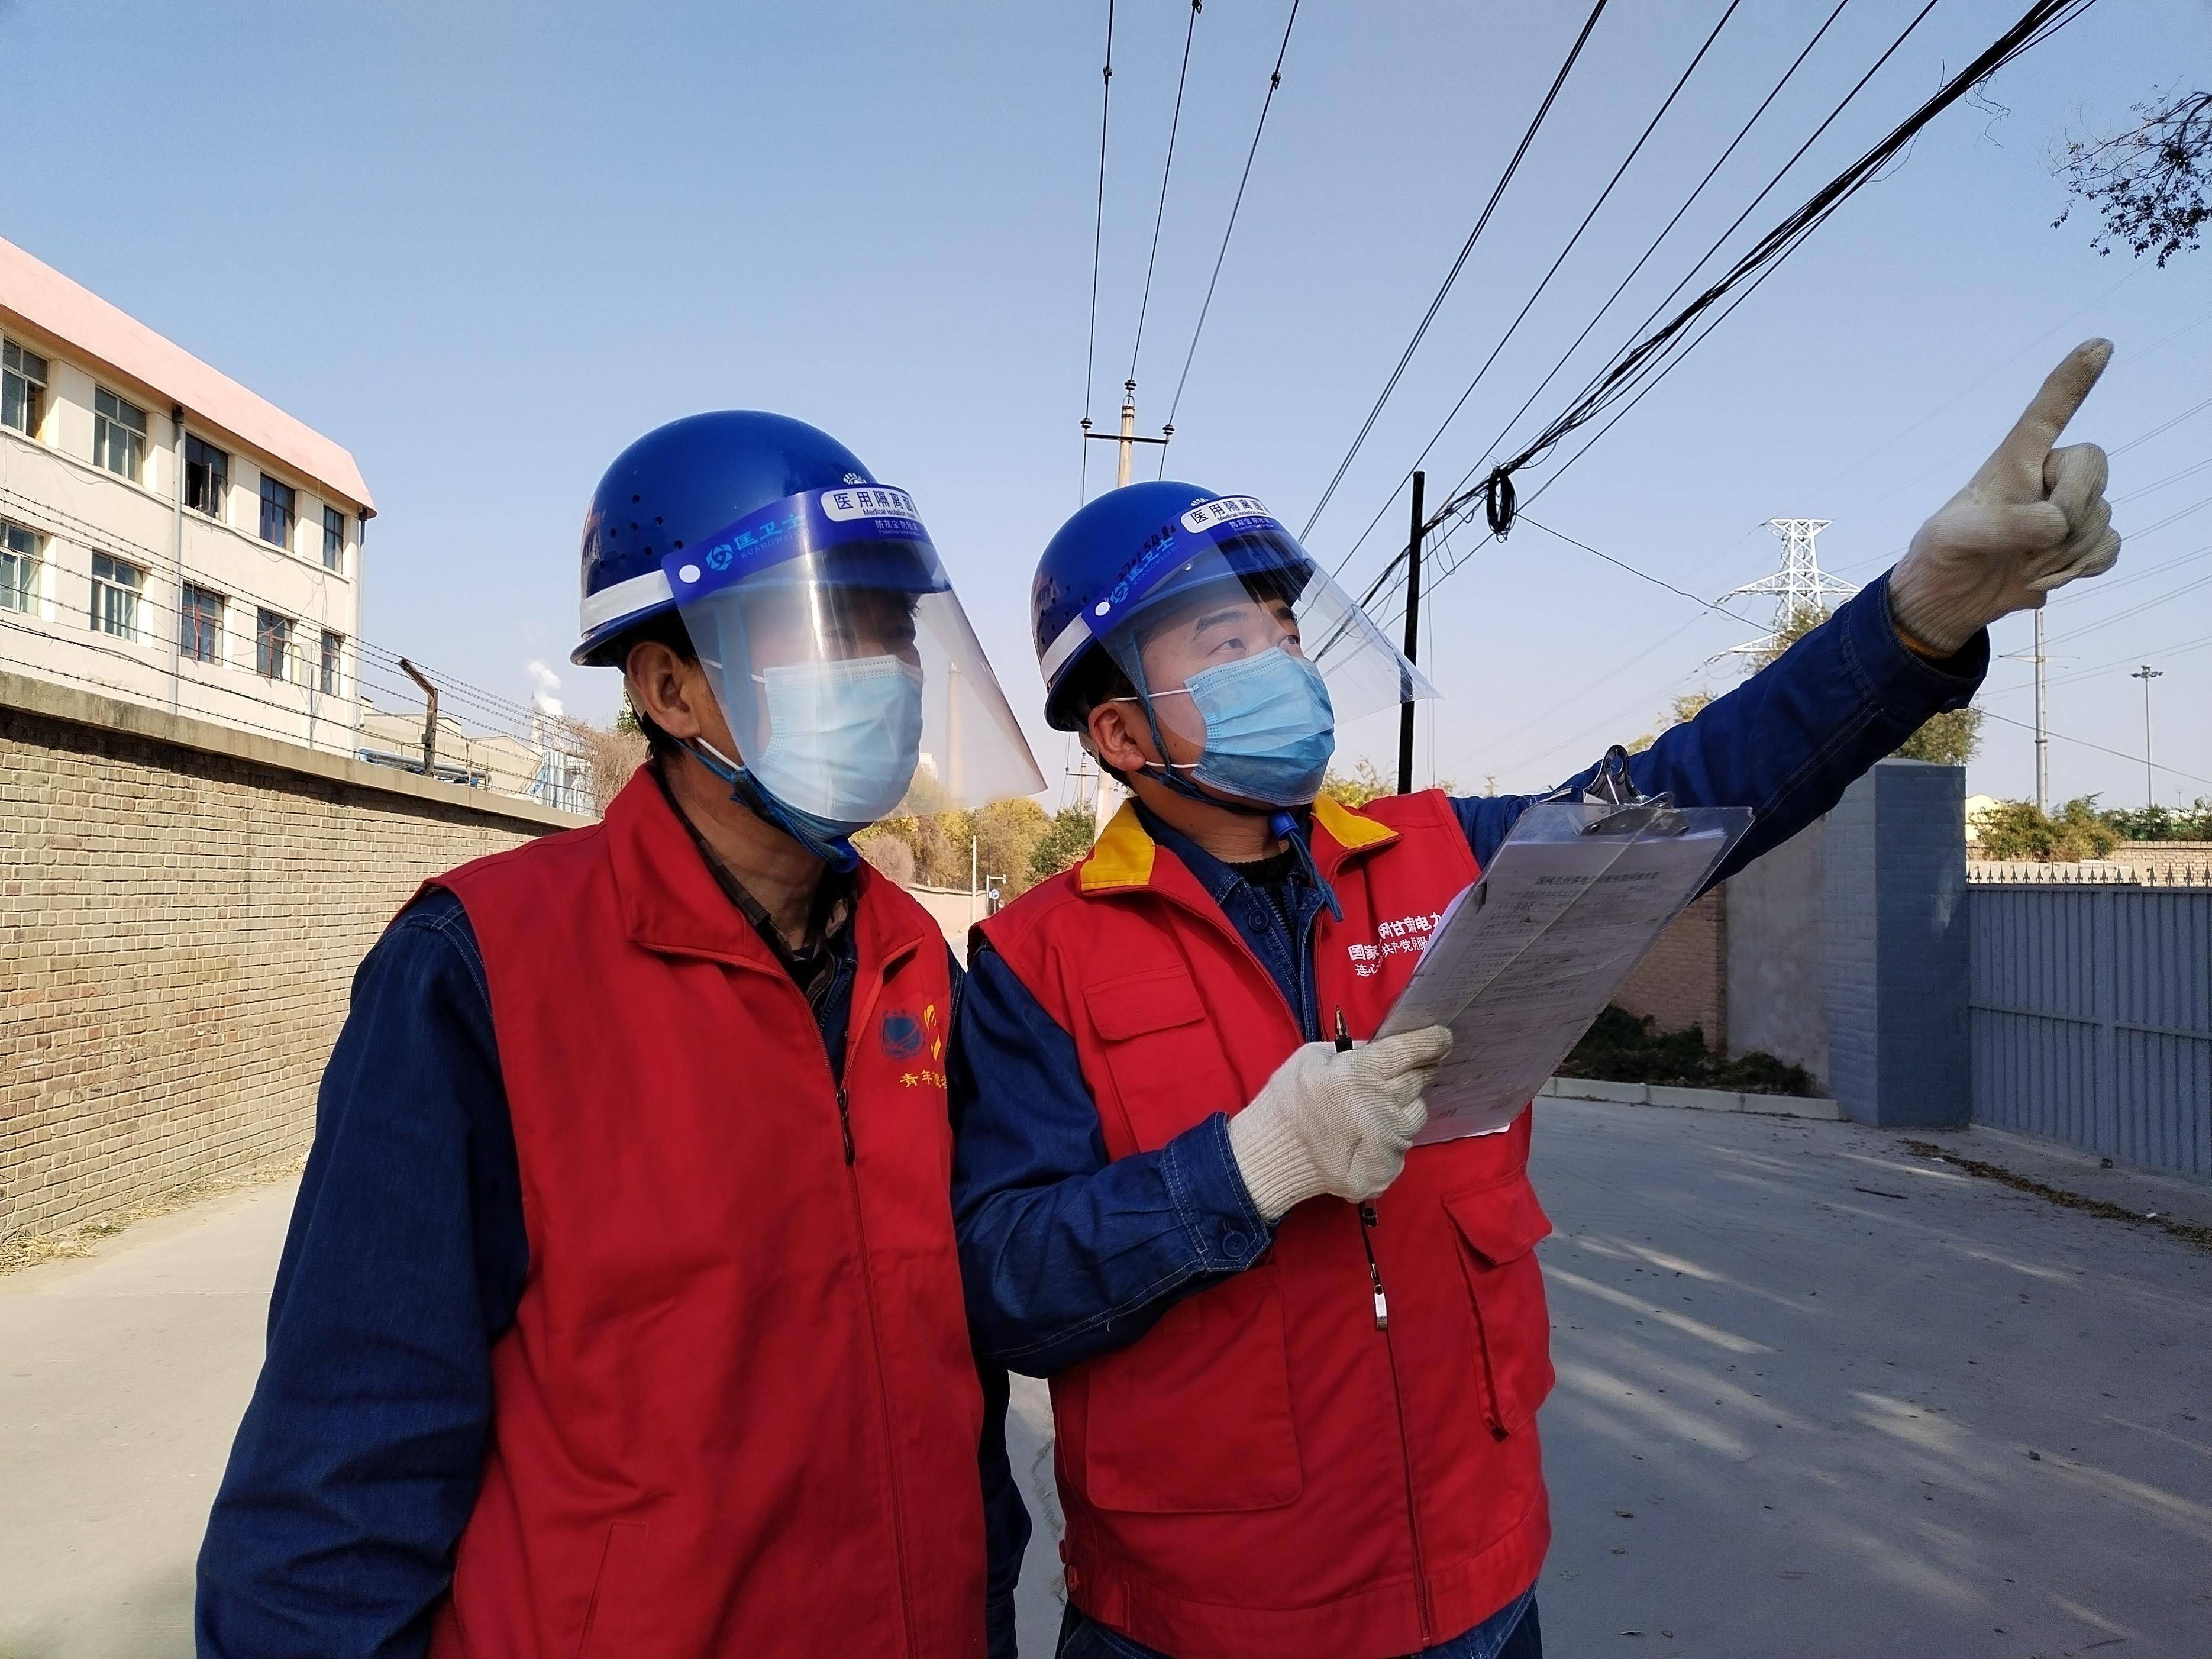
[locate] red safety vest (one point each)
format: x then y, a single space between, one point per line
737 1414
1265 1470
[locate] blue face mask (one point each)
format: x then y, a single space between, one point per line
844 738
1269 728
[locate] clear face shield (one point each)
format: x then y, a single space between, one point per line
848 673
1247 654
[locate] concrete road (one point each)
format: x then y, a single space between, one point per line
122 1376
1851 1401
1820 1397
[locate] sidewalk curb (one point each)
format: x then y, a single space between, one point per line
1701 1100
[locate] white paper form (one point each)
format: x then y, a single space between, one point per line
1526 958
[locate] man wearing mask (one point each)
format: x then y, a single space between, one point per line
1296 1371
620 1313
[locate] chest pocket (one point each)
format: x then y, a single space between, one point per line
1163 1057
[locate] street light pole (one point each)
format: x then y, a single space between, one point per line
2147 674
2042 733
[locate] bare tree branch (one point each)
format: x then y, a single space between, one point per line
2147 184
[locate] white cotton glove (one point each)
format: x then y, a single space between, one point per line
1336 1121
2033 518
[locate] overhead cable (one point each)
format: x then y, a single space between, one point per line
1174 125
1274 80
1634 272
2038 23
1097 241
1638 370
1452 276
1528 305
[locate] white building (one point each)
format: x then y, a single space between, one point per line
167 536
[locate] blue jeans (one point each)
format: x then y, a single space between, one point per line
1495 1638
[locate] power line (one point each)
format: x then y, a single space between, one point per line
1951 459
1274 80
2041 20
1158 218
2180 649
1458 490
1644 366
2162 426
2101 749
1991 713
1452 276
1643 575
1666 230
1528 305
1097 242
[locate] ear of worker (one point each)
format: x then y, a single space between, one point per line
2032 520
1335 1120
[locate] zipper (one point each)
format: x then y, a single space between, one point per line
855 1024
1367 1219
1370 1219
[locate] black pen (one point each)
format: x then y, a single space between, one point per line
1343 1033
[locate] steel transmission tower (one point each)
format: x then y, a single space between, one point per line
1800 585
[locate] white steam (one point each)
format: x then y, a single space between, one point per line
547 683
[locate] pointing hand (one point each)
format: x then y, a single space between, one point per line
2033 518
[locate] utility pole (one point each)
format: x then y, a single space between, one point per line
1415 536
430 714
2147 674
2042 731
1127 437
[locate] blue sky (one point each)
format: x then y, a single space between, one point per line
486 245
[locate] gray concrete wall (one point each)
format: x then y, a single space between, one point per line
1773 943
1894 977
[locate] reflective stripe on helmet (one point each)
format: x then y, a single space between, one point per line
639 594
1073 638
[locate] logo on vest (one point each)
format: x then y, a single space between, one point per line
901 1035
1402 936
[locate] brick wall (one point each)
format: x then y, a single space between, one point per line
2191 859
181 910
1684 981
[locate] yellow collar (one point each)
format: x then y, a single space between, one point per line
1124 854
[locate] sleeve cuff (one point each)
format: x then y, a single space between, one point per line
1904 685
1227 1232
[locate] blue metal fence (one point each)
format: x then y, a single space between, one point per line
2090 1012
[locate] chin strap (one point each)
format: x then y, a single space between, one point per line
839 853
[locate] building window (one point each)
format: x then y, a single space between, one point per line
333 659
273 645
22 388
333 539
207 476
115 587
19 568
200 624
276 511
118 436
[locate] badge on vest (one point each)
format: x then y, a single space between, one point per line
901 1037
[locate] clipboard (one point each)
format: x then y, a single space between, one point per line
1525 958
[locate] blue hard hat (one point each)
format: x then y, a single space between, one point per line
689 480
1117 557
